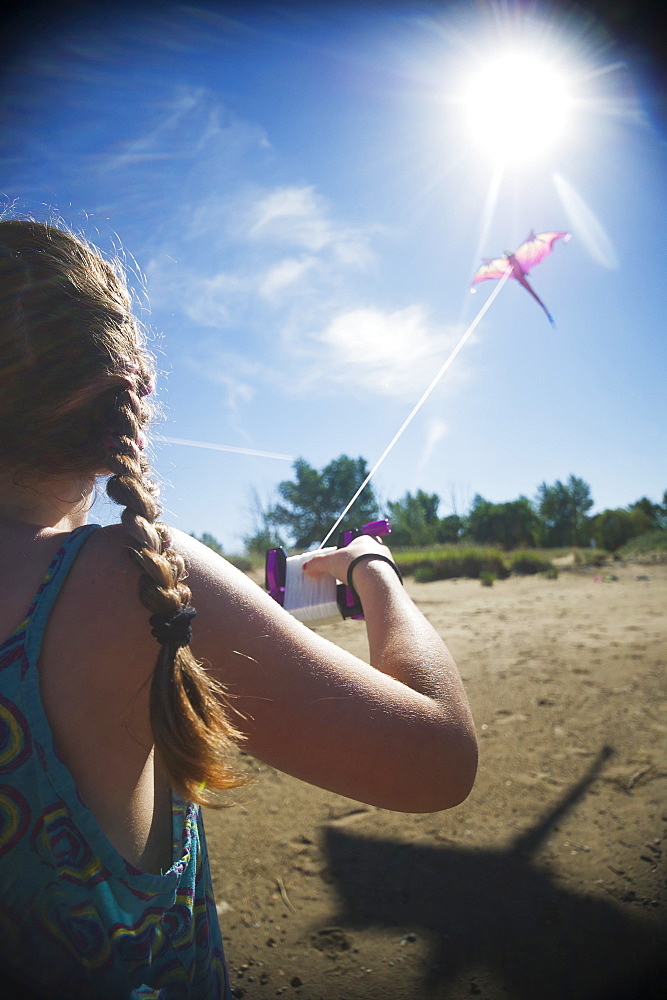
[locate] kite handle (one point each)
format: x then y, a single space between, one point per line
276 575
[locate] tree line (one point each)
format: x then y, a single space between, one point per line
308 504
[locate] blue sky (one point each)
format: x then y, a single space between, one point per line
304 195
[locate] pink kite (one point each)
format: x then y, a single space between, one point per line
519 263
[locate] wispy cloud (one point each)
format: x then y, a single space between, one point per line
236 375
436 429
156 143
272 239
387 353
210 301
284 275
299 312
276 243
298 216
290 215
190 124
274 274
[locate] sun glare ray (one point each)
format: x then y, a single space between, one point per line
488 209
584 221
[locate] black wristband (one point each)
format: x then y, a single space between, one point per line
370 555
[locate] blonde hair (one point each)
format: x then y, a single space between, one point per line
75 375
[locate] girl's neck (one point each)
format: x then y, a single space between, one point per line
62 504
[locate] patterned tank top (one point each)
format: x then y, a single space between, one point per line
76 919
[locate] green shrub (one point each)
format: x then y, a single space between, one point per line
450 563
651 546
424 573
614 528
241 562
487 578
528 563
591 557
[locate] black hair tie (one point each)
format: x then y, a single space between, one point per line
173 628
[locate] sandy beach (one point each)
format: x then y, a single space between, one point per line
548 883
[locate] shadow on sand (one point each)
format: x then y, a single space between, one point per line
498 911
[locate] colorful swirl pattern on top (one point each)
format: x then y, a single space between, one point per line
76 919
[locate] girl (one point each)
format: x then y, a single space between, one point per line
117 708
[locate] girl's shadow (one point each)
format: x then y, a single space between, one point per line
497 910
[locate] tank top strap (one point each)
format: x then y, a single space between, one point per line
45 598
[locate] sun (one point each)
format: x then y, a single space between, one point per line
516 106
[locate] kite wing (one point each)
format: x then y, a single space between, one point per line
518 264
496 268
536 248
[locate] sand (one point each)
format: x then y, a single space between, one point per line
548 883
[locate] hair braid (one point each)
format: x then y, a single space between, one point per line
190 727
74 377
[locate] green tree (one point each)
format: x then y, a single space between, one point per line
315 500
479 522
562 510
264 535
613 528
414 519
655 512
512 525
450 528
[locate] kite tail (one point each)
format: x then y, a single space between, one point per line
539 301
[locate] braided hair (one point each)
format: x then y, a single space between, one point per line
75 377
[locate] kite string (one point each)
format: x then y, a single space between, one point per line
418 405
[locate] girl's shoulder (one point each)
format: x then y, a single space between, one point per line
106 576
100 598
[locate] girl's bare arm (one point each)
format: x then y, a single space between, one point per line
396 733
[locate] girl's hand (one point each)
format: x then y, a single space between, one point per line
336 562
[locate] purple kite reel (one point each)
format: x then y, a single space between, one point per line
348 605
